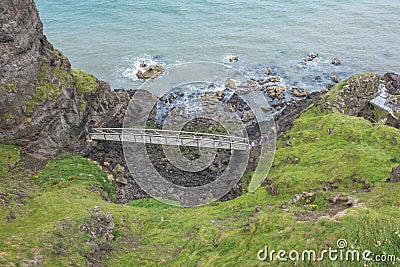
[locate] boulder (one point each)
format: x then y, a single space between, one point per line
230 84
394 175
150 72
336 62
392 83
234 59
248 116
355 95
274 79
276 91
299 93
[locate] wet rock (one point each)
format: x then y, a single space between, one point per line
299 93
269 70
274 79
276 91
310 58
266 109
128 193
312 55
234 59
284 121
334 79
150 72
335 62
248 116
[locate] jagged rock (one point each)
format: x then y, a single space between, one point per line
45 107
310 58
234 59
394 175
335 62
312 55
272 190
266 109
230 84
122 180
100 226
269 70
354 96
276 91
392 83
274 79
248 116
150 72
299 93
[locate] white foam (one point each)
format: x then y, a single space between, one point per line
131 65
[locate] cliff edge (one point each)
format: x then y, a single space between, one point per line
45 106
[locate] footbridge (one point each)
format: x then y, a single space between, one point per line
172 138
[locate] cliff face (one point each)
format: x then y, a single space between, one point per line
21 41
45 106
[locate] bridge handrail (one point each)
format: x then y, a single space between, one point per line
180 134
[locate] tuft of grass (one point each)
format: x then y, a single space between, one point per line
84 82
66 169
9 157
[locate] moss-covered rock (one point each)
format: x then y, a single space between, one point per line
85 83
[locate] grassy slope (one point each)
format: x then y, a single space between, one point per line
355 155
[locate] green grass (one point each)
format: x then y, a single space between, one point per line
84 82
66 169
353 155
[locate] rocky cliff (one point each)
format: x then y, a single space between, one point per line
45 106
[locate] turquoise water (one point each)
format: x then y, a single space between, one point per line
109 37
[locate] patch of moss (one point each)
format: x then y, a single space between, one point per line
84 82
64 77
82 104
11 87
44 92
43 74
9 156
8 118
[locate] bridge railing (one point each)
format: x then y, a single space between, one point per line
170 137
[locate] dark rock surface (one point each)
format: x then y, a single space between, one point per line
41 107
394 175
392 83
284 120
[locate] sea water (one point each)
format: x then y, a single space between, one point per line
109 38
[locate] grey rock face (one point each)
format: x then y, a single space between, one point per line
45 107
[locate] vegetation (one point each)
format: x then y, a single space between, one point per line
328 155
84 82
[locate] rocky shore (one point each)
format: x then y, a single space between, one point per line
48 108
